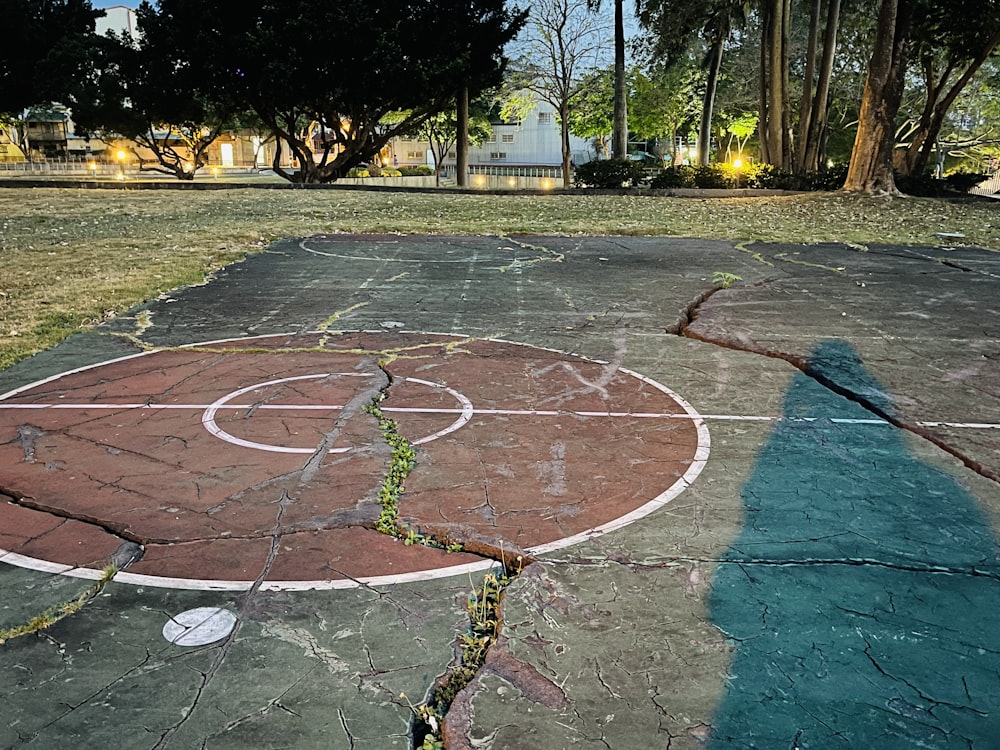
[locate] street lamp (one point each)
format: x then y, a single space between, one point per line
122 156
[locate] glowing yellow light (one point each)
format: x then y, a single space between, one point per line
120 176
737 163
512 181
188 166
546 184
92 166
121 156
480 181
215 172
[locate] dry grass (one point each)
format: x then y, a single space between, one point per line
74 257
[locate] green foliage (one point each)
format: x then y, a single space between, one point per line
962 181
422 171
483 607
724 279
46 52
591 108
714 177
757 176
52 615
608 173
680 176
402 461
323 77
767 176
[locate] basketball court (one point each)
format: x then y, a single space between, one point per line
687 497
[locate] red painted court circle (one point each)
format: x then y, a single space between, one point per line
253 461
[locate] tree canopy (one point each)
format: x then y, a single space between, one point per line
46 43
324 76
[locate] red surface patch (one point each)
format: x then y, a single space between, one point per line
516 445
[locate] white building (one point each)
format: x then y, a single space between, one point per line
119 19
535 141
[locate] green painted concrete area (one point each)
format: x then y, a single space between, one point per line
861 594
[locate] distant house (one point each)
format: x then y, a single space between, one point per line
532 142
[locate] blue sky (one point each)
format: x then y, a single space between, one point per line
109 3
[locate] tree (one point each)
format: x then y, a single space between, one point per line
591 113
663 107
619 127
324 76
871 168
44 41
561 41
441 131
138 92
675 25
951 42
775 113
46 45
813 107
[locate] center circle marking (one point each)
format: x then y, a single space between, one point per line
209 423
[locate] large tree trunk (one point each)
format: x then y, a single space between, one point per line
808 78
871 159
816 136
619 143
708 106
775 117
462 134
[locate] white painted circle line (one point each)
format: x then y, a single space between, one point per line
199 627
464 416
209 423
698 463
379 259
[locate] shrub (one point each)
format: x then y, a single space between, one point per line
831 178
713 176
962 181
608 173
390 172
922 185
421 171
358 172
680 176
768 176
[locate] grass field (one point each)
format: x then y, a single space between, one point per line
73 257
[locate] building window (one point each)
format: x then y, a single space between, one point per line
498 155
544 118
508 137
492 137
414 155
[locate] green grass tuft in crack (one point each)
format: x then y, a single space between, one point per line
52 615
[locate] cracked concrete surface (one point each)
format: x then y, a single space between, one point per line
824 582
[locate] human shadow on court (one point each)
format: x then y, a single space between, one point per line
861 595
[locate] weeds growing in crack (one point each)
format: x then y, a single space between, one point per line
52 615
484 627
400 465
725 279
